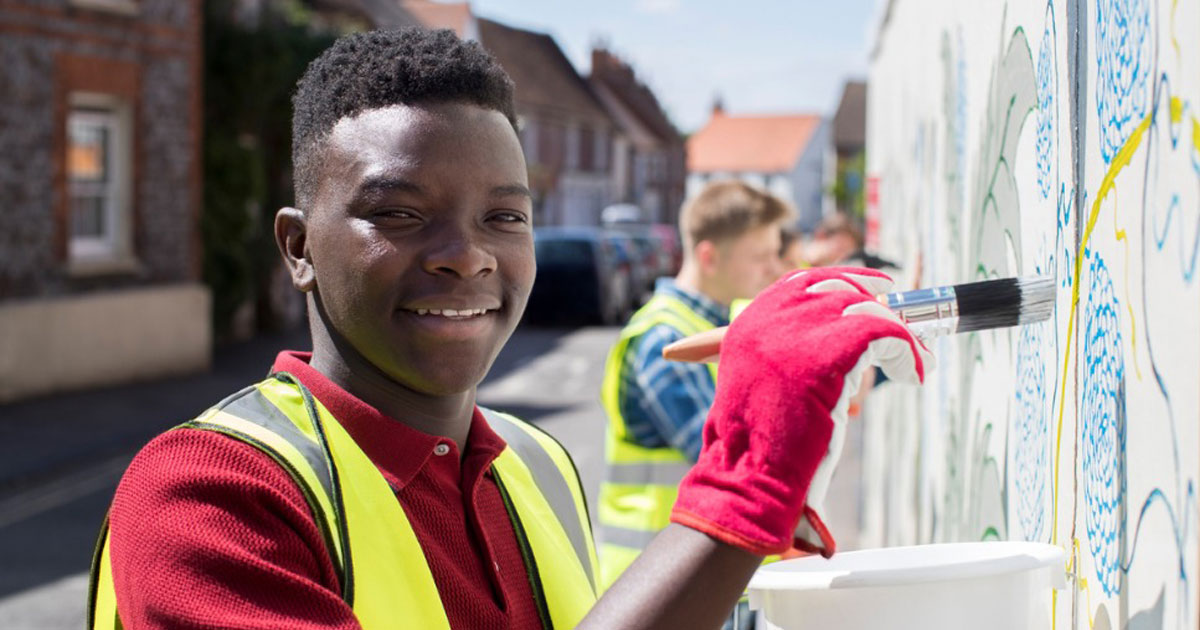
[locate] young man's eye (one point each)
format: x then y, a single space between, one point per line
508 216
394 214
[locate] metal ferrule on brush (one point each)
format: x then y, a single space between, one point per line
928 312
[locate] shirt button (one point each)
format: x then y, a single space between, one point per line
497 565
441 449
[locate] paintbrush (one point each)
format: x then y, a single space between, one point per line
929 313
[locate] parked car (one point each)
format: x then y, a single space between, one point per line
664 238
621 213
583 277
642 261
671 250
661 239
650 260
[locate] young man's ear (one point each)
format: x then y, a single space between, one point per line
707 256
291 232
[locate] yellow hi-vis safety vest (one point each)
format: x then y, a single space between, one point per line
382 570
640 484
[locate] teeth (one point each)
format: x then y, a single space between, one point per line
450 312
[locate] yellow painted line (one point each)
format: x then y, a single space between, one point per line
1174 39
1122 159
1107 185
1195 135
1083 582
1120 235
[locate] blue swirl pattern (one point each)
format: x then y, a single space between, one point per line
1123 58
1102 430
1032 452
1046 115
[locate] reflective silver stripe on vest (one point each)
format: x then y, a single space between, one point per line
648 473
625 537
550 483
256 408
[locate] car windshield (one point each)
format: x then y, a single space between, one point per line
560 251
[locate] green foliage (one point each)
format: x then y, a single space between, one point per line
250 74
849 187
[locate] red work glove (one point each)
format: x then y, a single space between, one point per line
789 365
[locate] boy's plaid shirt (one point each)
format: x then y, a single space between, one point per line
664 403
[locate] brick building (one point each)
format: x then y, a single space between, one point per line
566 132
100 193
649 156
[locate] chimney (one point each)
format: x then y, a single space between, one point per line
718 106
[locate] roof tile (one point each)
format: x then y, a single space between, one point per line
543 75
763 144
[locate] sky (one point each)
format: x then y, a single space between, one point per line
761 56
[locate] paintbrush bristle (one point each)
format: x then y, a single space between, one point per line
1004 302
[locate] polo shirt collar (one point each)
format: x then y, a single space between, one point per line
398 450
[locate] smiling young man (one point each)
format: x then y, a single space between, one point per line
360 486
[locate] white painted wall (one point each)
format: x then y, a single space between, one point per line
102 339
1082 431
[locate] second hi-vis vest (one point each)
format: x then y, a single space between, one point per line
382 570
640 484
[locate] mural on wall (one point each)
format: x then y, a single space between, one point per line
1059 138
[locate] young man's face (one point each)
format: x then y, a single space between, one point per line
749 263
420 241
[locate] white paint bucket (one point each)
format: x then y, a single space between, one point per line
982 586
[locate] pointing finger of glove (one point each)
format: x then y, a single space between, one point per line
834 284
896 352
874 282
928 359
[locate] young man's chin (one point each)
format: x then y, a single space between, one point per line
447 382
445 370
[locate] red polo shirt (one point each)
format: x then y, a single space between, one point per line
208 531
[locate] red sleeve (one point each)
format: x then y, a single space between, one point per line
210 532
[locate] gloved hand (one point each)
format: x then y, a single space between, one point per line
789 365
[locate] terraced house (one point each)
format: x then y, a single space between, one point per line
100 193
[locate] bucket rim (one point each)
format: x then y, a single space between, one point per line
999 558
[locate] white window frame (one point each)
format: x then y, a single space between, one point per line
529 138
572 147
600 142
113 246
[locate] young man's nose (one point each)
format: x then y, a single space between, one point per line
457 251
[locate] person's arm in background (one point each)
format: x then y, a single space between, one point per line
789 366
675 397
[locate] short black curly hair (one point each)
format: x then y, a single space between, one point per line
381 68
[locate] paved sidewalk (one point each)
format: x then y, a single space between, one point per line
61 456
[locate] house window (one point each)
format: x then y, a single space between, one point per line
551 144
587 151
600 159
98 177
529 138
572 148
